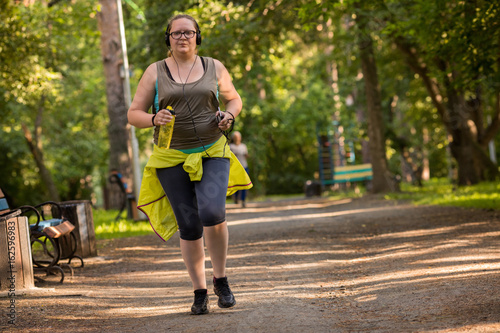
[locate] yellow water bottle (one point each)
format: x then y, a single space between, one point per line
166 131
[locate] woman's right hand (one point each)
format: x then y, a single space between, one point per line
163 117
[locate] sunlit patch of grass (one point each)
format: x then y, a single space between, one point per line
441 192
107 227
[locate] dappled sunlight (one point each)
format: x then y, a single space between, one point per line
299 266
139 248
274 242
410 250
428 232
282 253
460 259
367 298
150 274
480 327
145 311
376 282
370 263
308 216
257 208
486 234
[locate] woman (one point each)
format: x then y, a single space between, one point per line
184 187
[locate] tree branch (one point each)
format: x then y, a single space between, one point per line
53 3
419 68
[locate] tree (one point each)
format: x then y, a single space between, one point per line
453 47
383 181
119 157
50 101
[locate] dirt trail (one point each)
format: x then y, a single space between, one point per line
320 265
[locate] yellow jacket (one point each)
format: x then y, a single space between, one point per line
152 199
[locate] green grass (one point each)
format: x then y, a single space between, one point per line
441 192
106 227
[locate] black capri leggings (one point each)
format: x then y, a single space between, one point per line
197 204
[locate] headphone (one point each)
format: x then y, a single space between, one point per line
198 34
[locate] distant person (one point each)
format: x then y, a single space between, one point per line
241 151
117 177
185 186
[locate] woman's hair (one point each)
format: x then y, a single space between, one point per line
182 16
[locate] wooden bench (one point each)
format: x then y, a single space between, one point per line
51 239
350 174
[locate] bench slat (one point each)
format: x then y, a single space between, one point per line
59 230
350 173
366 166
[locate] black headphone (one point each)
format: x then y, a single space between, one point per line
198 34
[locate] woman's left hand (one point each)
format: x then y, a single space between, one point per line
225 120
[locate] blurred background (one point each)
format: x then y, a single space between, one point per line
412 87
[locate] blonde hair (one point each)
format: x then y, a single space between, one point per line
182 16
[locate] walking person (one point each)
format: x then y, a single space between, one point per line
241 151
185 186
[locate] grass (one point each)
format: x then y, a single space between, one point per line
441 192
106 227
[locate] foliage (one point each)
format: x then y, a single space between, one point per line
294 63
51 82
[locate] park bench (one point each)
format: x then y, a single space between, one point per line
350 174
340 175
331 174
51 239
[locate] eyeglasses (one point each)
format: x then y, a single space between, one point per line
188 34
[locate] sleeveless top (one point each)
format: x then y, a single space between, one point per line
197 103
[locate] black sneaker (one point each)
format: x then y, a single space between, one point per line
200 305
221 289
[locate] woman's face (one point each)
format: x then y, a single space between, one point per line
183 45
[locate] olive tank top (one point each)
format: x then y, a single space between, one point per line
197 104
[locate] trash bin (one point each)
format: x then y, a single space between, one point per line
132 212
79 213
312 188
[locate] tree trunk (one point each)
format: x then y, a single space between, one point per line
34 144
383 181
472 161
461 145
119 155
361 118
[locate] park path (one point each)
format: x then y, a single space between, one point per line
305 265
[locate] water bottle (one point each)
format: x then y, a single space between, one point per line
166 131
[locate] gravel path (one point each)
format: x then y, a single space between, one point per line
315 265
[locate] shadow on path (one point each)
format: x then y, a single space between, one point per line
319 265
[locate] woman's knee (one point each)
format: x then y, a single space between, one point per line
191 233
212 215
